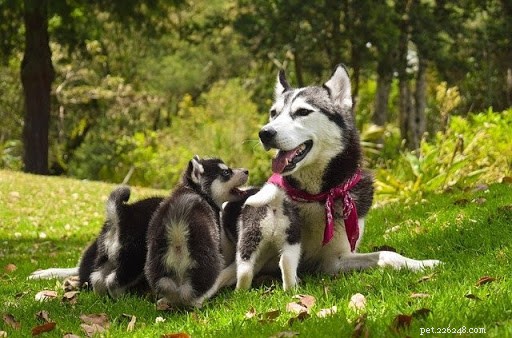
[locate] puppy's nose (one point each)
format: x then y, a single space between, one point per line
267 134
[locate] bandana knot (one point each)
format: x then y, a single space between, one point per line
342 192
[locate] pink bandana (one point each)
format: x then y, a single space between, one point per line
340 191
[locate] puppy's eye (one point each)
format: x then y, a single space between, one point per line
303 112
226 173
273 113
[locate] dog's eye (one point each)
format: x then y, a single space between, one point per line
303 112
226 173
273 113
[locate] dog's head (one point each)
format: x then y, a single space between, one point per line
216 180
308 126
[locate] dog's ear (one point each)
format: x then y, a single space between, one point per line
339 87
195 169
282 84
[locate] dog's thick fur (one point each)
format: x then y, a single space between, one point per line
319 148
184 250
113 263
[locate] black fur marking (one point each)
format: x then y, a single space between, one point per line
251 218
230 214
293 232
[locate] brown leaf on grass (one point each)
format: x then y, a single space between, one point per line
472 296
480 187
91 330
304 304
131 324
306 300
70 335
300 318
402 322
479 200
485 280
70 297
419 295
11 321
176 335
251 313
45 295
296 308
360 329
357 302
46 327
269 316
327 312
285 334
10 268
43 316
100 319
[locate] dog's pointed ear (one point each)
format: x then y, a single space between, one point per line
195 169
282 84
339 87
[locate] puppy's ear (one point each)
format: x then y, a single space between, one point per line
339 87
281 84
196 169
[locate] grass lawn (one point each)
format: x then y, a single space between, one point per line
47 222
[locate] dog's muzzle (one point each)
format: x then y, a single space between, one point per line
267 137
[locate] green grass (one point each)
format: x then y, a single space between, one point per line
47 221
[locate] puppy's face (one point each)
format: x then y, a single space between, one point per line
217 180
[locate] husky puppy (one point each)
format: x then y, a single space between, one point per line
184 249
113 263
267 232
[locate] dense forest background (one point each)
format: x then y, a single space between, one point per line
130 90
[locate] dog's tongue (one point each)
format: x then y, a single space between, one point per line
281 160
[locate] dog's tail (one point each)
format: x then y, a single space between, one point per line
54 273
114 203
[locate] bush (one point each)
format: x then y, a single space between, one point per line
473 150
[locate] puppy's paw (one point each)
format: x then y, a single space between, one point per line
263 197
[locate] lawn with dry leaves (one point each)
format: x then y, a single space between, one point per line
47 222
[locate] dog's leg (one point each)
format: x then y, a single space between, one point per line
54 273
264 196
359 261
245 271
288 264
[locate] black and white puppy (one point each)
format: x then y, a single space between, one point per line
268 237
113 263
184 255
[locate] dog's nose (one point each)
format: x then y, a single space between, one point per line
267 134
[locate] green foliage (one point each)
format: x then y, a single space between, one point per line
473 150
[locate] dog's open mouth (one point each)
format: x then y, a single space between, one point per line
287 160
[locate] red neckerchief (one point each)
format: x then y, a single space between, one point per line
340 191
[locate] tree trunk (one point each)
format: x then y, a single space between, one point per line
418 119
380 114
36 77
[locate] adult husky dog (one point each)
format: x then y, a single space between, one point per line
319 164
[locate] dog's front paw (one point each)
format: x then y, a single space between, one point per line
430 263
263 197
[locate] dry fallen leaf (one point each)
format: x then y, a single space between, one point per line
91 330
70 335
300 318
485 280
420 295
70 297
306 300
402 322
11 321
43 316
426 278
296 308
327 312
251 313
95 318
176 335
357 302
45 295
421 313
269 316
472 296
10 268
46 327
